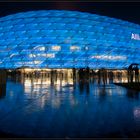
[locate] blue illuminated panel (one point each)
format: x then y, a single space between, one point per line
67 39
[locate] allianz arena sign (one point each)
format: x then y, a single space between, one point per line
135 36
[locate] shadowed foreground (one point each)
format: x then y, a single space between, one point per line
134 86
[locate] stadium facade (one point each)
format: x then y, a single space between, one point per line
67 39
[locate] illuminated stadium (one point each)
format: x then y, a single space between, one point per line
67 39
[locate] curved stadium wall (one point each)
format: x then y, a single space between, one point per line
67 39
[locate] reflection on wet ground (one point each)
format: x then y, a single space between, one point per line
39 107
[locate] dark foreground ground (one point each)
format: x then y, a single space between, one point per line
134 86
110 136
8 135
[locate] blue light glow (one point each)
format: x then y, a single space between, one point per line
67 39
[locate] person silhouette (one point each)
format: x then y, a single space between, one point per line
104 76
99 76
130 73
136 69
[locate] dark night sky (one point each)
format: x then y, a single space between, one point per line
129 11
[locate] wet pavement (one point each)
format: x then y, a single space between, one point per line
37 107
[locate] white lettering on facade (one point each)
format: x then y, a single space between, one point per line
135 36
109 57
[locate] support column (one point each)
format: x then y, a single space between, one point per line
2 83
